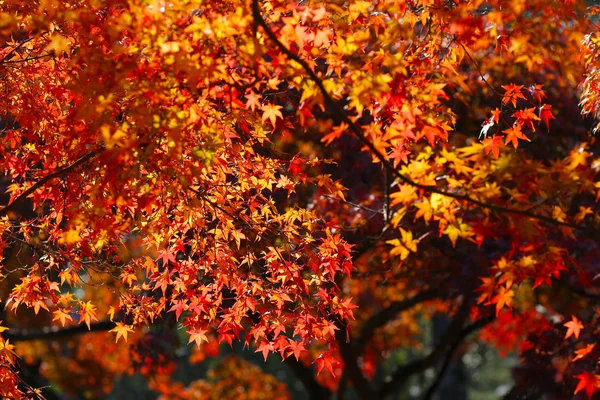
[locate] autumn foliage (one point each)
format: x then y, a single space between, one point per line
309 180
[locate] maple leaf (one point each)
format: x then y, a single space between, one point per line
399 154
59 44
265 348
526 117
321 38
198 336
513 134
178 307
512 94
574 327
503 298
404 246
326 360
335 133
227 337
536 92
87 313
296 164
166 255
62 316
253 101
493 145
584 351
271 112
546 114
588 382
297 348
460 229
122 330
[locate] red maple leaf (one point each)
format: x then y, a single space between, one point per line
326 360
546 114
588 382
296 165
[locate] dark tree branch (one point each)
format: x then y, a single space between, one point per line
306 376
57 174
57 333
341 114
352 371
451 338
9 55
351 352
448 358
31 378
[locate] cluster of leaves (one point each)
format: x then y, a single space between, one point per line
233 378
215 166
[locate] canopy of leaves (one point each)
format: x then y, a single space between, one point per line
310 179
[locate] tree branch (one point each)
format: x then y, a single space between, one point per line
341 114
57 174
306 376
351 352
453 336
56 332
446 362
352 371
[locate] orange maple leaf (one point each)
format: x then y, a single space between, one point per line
526 117
513 134
87 313
574 326
512 94
265 348
198 336
503 298
62 316
297 348
253 101
584 351
271 112
493 144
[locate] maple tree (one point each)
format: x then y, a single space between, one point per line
310 179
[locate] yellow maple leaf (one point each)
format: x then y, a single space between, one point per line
62 316
121 330
87 313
